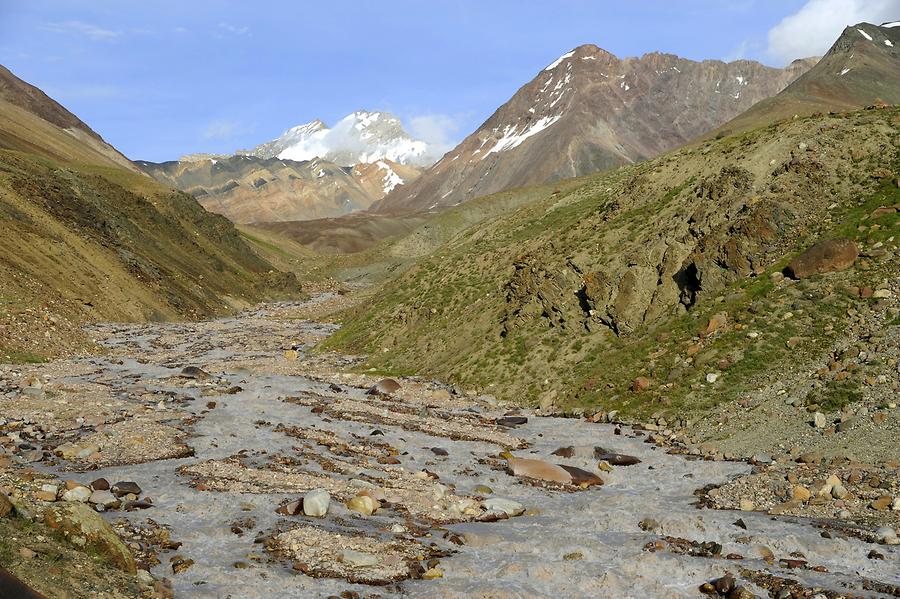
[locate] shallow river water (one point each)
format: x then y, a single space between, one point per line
571 544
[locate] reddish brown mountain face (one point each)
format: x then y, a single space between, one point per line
589 111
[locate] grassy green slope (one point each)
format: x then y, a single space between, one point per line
512 306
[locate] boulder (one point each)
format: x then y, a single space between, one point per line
84 528
505 506
539 470
78 493
618 459
384 387
582 478
124 488
831 255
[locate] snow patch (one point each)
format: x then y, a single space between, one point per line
512 138
844 72
588 58
888 43
865 35
391 178
892 24
559 60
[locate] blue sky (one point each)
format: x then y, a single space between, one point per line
159 79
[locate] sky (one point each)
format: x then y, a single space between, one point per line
159 79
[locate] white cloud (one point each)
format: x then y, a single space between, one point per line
438 130
812 29
234 29
223 130
98 34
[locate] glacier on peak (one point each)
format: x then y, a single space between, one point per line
362 136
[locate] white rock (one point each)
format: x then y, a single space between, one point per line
316 502
882 294
358 559
80 494
896 504
712 377
887 535
819 420
508 506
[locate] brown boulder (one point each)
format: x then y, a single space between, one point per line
582 478
539 470
831 255
384 387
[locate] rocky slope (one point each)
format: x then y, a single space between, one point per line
362 136
588 111
248 189
83 238
861 68
606 294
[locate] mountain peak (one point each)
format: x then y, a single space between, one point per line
589 110
361 136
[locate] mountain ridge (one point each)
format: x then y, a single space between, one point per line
591 111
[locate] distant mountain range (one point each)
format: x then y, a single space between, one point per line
249 189
587 111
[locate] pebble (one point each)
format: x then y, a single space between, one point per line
316 502
433 573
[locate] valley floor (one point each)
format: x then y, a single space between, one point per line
218 424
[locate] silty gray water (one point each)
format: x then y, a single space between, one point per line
583 544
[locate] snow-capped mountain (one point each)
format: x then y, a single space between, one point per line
589 110
361 137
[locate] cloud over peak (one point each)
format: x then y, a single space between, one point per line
811 30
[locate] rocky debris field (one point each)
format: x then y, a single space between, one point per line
223 458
